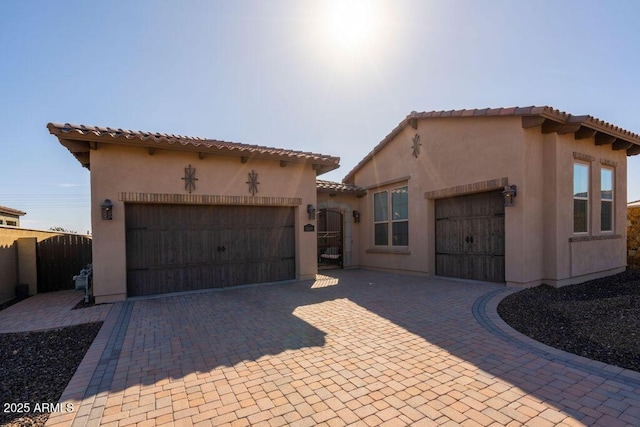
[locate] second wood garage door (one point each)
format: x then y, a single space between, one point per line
470 237
172 248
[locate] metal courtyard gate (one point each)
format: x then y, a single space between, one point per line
330 239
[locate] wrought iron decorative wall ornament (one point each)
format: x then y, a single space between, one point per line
189 179
253 182
416 145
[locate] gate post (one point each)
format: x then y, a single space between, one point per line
27 264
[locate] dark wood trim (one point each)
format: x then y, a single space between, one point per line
75 146
620 144
604 139
151 150
201 155
569 128
549 126
584 133
633 150
283 163
244 159
93 145
532 121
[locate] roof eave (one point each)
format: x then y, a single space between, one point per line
81 144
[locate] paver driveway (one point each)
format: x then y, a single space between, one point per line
353 347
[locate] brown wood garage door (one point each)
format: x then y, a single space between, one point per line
172 248
470 237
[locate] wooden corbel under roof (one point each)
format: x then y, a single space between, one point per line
80 140
583 127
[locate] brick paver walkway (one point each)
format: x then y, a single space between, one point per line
49 310
353 348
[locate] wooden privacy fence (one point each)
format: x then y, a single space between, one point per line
59 258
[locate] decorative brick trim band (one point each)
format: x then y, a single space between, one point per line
476 187
583 157
607 162
592 238
206 199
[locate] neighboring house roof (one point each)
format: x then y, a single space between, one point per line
635 204
338 187
10 211
549 119
81 139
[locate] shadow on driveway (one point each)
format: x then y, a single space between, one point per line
352 345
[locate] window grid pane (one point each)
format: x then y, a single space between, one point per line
400 204
606 216
580 180
381 234
580 198
400 233
580 216
381 206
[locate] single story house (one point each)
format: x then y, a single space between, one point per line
10 216
520 196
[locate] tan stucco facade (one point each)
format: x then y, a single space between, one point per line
464 155
431 156
121 174
135 167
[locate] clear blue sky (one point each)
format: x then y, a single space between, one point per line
290 74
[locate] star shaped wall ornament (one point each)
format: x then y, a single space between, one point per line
189 179
416 145
253 182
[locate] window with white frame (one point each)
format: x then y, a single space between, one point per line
606 199
391 217
580 198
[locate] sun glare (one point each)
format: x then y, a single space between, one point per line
351 24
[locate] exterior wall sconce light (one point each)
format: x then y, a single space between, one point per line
106 210
311 211
510 192
356 216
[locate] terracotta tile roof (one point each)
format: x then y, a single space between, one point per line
545 112
338 187
11 211
65 131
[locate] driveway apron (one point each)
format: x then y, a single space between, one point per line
352 348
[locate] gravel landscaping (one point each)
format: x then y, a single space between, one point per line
599 319
35 368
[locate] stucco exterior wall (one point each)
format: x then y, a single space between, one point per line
460 154
633 237
574 249
117 169
453 153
